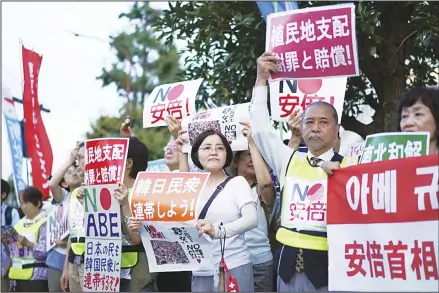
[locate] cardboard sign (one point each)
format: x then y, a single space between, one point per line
286 95
105 160
176 99
383 226
167 197
103 239
395 145
175 247
314 42
225 120
57 224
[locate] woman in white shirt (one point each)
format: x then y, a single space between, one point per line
229 215
253 168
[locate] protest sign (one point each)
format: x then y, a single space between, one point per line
102 265
57 225
285 95
314 42
395 145
105 160
103 239
167 205
176 99
167 196
383 226
224 119
355 150
175 247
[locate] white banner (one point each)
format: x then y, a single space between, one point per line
175 246
176 99
285 95
224 119
57 224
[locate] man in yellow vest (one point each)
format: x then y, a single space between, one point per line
303 257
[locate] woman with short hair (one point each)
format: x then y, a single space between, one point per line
418 111
29 271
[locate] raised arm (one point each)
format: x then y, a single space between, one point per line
55 188
266 138
265 183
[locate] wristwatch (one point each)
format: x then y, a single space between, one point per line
125 219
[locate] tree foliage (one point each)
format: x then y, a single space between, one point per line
142 64
396 48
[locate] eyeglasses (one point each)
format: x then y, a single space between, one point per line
208 149
170 149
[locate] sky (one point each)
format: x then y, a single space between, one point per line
67 83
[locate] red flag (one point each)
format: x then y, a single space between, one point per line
38 144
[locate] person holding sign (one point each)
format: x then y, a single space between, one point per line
134 259
72 277
211 152
253 168
303 259
418 110
67 178
29 271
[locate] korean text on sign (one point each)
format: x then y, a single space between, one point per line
396 145
102 266
314 42
105 160
176 99
167 196
382 226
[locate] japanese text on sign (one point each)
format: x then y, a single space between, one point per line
166 196
105 160
174 246
176 99
102 266
391 258
286 95
327 42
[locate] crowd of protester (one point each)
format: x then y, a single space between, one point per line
247 210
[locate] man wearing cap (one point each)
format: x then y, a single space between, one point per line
303 257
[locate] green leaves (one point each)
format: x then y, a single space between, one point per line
142 64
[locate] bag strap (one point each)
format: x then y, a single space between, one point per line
8 216
219 188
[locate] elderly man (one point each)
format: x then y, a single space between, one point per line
303 258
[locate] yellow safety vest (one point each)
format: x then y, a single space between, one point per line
129 258
23 267
303 204
76 224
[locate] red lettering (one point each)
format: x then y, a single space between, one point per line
396 259
157 112
375 258
287 104
355 254
425 256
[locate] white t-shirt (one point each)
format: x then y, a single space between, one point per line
257 239
226 208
